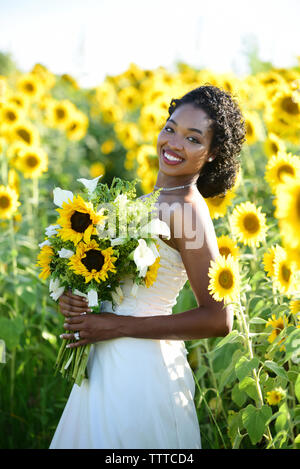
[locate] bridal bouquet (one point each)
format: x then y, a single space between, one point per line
100 237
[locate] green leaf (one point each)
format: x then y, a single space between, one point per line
254 420
292 345
297 388
248 386
244 367
278 370
10 331
233 336
282 421
238 396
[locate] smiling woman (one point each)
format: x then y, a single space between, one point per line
140 388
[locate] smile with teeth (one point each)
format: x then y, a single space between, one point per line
171 157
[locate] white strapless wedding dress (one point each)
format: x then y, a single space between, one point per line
140 392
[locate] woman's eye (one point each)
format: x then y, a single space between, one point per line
193 140
168 129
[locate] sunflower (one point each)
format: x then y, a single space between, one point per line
273 144
268 259
97 169
10 114
287 106
224 278
287 212
253 127
295 308
19 99
111 113
59 114
32 162
129 98
30 85
44 260
152 272
13 151
284 273
281 166
278 325
219 204
92 262
128 134
275 396
25 132
107 147
77 126
78 220
248 224
8 202
227 246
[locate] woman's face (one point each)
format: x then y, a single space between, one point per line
183 145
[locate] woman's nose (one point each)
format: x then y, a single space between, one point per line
175 142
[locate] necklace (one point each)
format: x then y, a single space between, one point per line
173 188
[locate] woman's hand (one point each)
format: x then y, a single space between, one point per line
72 305
92 328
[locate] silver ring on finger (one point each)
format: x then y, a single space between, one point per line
77 335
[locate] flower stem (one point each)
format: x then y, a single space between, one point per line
251 355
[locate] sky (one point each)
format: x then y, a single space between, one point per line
90 39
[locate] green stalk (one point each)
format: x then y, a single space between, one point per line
214 378
251 355
209 410
15 310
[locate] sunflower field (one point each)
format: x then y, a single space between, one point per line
53 132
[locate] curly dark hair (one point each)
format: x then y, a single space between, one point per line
218 176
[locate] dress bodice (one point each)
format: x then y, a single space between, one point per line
161 296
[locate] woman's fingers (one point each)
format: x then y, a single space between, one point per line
70 306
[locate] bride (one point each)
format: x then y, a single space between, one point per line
140 389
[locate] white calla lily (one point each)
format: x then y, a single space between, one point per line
65 253
156 227
56 290
90 184
45 243
92 298
51 230
143 256
60 196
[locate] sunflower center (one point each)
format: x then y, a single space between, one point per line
286 273
73 127
4 201
249 129
24 134
226 279
60 113
29 87
31 161
11 116
284 169
274 147
80 221
93 260
289 106
251 223
224 251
